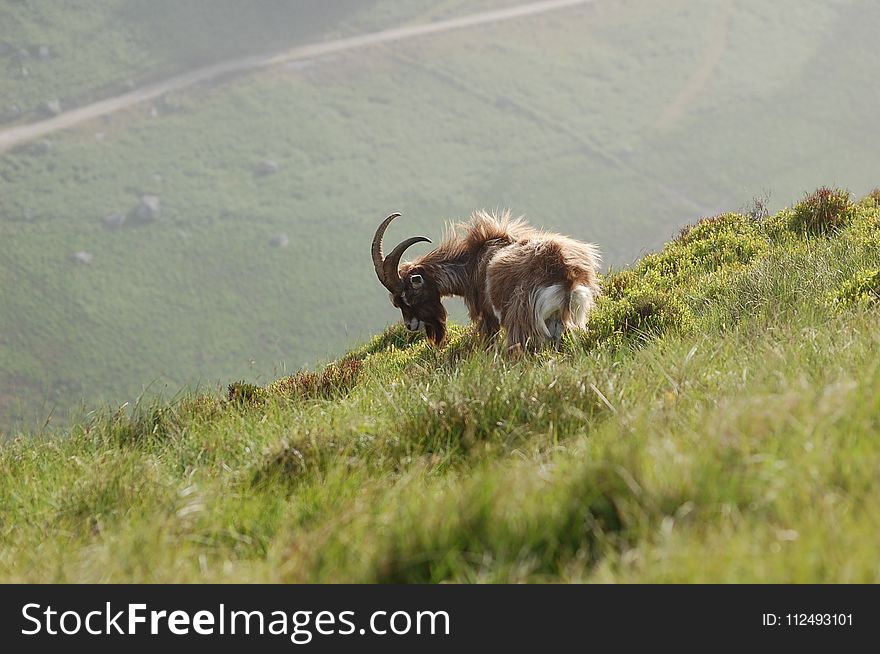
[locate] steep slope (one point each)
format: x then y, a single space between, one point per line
564 118
718 423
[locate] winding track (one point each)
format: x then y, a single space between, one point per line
15 136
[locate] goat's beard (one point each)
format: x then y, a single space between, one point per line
435 330
435 326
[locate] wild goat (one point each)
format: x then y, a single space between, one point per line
533 283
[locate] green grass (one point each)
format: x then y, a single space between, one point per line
558 117
732 441
103 47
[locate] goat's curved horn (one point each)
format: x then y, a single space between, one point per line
386 267
392 261
377 249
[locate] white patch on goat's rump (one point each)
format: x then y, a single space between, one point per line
549 303
581 302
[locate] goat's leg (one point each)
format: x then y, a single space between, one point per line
518 320
488 326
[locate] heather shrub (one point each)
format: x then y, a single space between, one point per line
824 211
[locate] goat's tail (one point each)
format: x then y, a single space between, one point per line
546 313
579 301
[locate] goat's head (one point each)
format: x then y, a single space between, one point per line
412 289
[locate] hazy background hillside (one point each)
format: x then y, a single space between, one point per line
615 121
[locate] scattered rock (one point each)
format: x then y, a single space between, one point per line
114 220
148 209
25 72
154 112
83 257
171 103
11 112
52 106
44 146
267 167
504 103
23 54
43 52
279 241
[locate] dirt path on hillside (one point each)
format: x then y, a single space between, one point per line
15 136
712 55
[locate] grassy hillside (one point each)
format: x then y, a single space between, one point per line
616 123
718 423
80 52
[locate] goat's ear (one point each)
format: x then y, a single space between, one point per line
417 281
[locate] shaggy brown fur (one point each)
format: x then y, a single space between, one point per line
533 283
